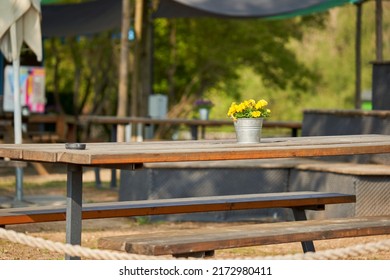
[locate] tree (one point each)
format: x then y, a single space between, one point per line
194 55
122 108
82 74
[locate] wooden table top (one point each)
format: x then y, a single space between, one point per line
178 151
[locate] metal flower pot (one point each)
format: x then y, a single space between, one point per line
204 113
248 130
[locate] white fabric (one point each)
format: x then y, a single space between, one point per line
26 14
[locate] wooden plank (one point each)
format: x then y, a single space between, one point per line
295 163
346 168
10 152
223 153
236 164
178 151
353 113
309 200
198 240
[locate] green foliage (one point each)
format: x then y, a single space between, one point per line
304 62
329 53
84 68
207 54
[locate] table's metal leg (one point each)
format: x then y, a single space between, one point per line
300 215
19 184
114 139
98 181
74 206
113 179
194 132
203 131
294 132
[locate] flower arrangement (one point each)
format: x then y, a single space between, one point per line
249 109
203 103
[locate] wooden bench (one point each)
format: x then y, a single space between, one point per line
297 201
203 242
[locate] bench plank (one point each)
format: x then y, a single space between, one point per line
205 240
304 200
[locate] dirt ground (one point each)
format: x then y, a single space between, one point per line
95 229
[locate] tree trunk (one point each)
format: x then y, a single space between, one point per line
358 54
135 84
172 61
146 60
77 61
56 77
378 24
123 67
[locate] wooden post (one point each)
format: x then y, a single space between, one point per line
146 58
358 71
135 85
123 67
378 30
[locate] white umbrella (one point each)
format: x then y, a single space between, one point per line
20 21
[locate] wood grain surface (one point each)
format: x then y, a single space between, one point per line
179 151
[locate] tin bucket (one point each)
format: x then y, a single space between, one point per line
248 130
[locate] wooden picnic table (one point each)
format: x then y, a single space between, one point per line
64 127
129 155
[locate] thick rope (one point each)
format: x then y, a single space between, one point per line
71 250
87 253
338 254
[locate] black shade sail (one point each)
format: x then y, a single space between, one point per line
100 15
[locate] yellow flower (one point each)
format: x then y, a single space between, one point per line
256 114
240 108
249 109
232 109
249 103
260 104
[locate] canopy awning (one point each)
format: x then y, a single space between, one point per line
244 8
92 17
81 19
